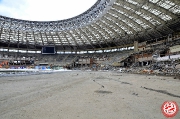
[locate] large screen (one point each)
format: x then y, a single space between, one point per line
48 50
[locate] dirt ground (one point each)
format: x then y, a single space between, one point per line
87 95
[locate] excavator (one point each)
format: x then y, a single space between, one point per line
4 64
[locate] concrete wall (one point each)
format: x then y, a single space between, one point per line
175 48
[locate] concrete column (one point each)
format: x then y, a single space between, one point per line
135 46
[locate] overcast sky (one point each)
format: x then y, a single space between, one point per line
44 10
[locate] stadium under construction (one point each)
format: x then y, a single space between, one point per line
119 59
112 33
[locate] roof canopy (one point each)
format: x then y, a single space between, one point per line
109 23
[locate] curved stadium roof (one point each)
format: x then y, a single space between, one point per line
108 23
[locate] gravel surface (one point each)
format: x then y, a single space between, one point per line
86 95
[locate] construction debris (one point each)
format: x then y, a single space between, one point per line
170 69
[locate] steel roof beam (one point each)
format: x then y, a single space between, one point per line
85 35
99 33
93 36
78 35
69 44
41 38
114 24
72 37
112 30
151 5
101 36
98 25
114 11
58 35
158 7
117 19
131 13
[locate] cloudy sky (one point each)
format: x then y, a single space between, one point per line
44 10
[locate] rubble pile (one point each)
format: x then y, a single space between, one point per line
155 69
